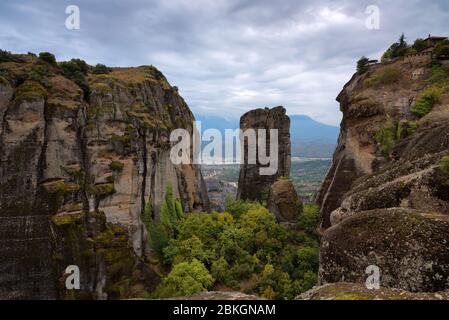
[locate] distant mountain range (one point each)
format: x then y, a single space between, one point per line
310 138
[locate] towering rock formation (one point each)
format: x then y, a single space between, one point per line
385 200
79 167
253 185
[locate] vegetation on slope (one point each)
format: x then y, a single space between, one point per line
242 249
387 76
431 96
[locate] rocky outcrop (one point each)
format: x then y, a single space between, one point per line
252 185
69 152
283 201
370 114
357 291
106 259
409 246
220 295
385 199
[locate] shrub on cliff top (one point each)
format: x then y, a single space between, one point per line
48 57
6 56
362 65
442 50
75 70
397 49
82 65
101 69
419 45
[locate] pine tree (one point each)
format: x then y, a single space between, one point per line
362 65
170 215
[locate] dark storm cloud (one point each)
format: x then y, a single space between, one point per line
227 56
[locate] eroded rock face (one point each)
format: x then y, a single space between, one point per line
283 201
253 185
366 110
409 246
64 153
357 291
385 200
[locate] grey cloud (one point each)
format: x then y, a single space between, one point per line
227 56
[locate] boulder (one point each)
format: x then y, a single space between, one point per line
409 246
283 201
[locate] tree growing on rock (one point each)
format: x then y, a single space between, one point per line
166 228
362 65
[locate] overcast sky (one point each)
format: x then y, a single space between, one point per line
227 56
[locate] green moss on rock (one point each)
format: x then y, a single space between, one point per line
56 186
30 90
116 166
358 291
102 88
384 77
401 242
104 189
444 164
364 108
110 245
67 218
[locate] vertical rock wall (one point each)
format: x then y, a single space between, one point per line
385 200
253 185
65 155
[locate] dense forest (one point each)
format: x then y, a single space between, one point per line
243 248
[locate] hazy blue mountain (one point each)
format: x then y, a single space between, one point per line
304 128
310 138
214 122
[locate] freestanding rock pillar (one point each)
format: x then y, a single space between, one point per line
253 185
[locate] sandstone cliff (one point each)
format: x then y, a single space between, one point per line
385 200
252 185
71 152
